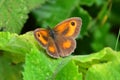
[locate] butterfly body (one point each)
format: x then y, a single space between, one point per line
59 41
52 33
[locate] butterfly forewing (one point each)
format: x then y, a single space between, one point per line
42 36
69 28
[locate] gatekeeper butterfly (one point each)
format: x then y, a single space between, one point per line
60 41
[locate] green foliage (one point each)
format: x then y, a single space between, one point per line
14 13
22 58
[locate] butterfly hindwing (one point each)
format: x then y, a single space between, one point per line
66 45
52 48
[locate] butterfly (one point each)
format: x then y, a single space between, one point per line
59 41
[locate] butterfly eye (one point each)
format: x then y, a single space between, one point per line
73 23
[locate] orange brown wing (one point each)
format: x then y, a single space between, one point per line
52 48
66 45
69 28
41 36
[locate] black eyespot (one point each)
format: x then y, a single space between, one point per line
73 23
38 34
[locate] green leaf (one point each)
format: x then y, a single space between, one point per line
40 66
14 13
8 69
70 71
13 49
16 46
103 65
108 71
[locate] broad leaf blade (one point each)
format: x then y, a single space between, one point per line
14 13
42 67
